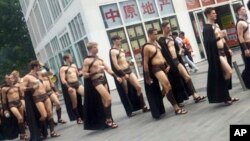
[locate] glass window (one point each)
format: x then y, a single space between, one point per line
110 15
31 32
165 7
35 26
45 13
148 9
65 2
55 8
191 4
77 28
207 2
129 10
48 50
173 23
81 49
39 20
55 45
65 40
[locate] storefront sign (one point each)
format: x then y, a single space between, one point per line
207 2
111 15
165 6
191 4
129 11
148 9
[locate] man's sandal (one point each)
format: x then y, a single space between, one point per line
79 121
54 134
180 111
233 99
199 99
24 137
62 121
111 124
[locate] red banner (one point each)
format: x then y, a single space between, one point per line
191 4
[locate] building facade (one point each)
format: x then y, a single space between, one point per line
57 27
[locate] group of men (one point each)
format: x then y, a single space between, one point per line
31 98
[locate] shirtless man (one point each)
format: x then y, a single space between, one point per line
53 94
243 32
33 81
219 71
70 78
159 67
93 68
121 66
168 42
11 96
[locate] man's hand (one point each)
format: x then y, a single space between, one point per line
230 52
119 79
167 69
247 53
149 81
126 76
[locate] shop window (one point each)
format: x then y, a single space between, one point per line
153 24
110 15
137 40
81 49
130 12
165 7
148 9
173 23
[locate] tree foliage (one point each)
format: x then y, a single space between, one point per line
16 49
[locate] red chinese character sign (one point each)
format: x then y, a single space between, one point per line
207 2
148 9
111 16
129 11
165 6
191 4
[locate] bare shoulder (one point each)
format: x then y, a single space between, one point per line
114 51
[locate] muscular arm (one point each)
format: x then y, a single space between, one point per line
108 69
114 59
240 30
4 98
62 76
85 69
145 59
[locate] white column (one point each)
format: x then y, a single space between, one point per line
186 25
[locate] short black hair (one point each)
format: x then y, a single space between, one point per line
34 63
164 24
208 10
182 33
151 31
115 37
238 8
66 56
175 33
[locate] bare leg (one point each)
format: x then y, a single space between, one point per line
227 70
55 100
80 90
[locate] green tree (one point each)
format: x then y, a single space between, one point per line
16 49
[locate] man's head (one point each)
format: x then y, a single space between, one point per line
116 40
67 58
241 10
152 34
210 13
7 79
15 75
182 34
92 47
35 65
175 34
166 27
